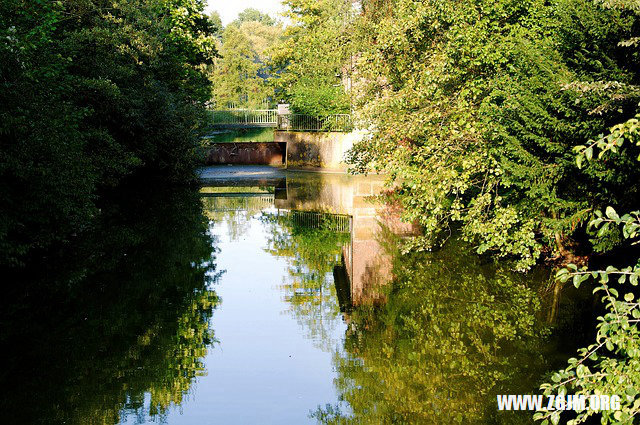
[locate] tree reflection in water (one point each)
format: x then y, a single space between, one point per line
312 252
118 323
453 333
432 346
235 211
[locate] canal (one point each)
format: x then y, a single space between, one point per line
268 297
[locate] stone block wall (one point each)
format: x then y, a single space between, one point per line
245 153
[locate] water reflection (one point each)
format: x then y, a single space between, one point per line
431 337
452 334
314 209
117 326
312 244
119 329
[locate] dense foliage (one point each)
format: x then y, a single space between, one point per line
91 91
610 365
312 63
253 15
475 108
240 74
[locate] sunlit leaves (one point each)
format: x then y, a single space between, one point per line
313 59
476 120
239 75
628 131
612 364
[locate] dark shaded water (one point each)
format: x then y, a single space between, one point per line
280 300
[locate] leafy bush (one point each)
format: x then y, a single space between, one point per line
475 109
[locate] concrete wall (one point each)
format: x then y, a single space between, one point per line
317 150
263 153
298 149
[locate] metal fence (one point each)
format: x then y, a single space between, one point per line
290 122
300 122
245 117
340 223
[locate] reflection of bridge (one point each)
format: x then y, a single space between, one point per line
337 202
365 266
340 223
258 201
239 201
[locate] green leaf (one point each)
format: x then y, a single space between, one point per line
588 153
577 279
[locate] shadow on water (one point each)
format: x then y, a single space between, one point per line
117 324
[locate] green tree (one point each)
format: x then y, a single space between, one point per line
93 91
216 23
475 108
611 365
239 76
236 80
261 37
253 15
46 180
312 60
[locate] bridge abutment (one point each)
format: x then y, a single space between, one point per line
302 150
317 151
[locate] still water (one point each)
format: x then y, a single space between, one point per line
273 298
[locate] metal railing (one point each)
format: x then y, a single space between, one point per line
340 223
289 122
245 117
300 122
